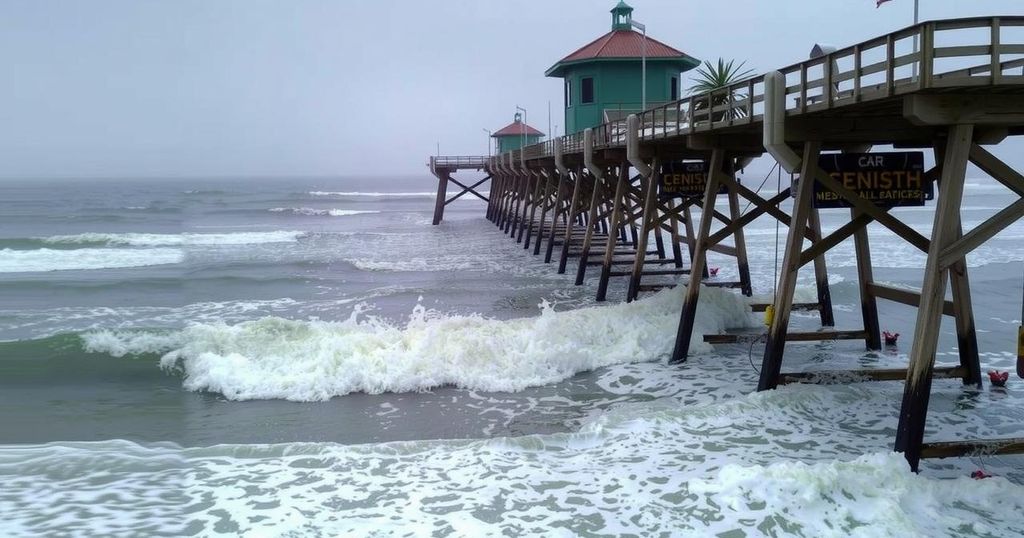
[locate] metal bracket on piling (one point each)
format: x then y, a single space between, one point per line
775 122
588 154
559 163
633 146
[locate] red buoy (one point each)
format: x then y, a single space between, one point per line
998 378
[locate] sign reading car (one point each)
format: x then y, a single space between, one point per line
684 179
886 179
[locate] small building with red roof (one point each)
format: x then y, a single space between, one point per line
603 77
516 135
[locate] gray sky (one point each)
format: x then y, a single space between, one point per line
318 87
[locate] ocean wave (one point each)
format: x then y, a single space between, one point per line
157 240
370 194
275 358
309 211
204 191
45 259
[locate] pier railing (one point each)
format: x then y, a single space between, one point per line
458 161
980 51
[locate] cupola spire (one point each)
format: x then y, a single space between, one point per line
622 16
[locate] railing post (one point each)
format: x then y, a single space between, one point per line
926 55
689 114
997 69
856 73
750 100
890 54
803 88
826 80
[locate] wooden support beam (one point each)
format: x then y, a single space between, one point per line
529 201
537 199
865 279
761 307
771 363
814 336
907 297
648 221
974 447
688 315
550 185
747 218
618 204
770 206
677 250
818 248
596 197
914 410
996 168
740 244
874 374
821 274
980 234
570 221
442 189
470 189
949 109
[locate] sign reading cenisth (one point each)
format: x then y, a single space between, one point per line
887 179
684 179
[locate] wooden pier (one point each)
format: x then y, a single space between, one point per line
596 195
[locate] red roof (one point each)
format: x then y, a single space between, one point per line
517 128
623 44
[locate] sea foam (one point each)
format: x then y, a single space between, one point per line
151 239
646 477
45 259
316 360
370 194
309 211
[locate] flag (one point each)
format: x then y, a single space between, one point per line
879 3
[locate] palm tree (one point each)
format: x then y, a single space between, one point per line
713 78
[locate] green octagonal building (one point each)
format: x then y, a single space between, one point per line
602 78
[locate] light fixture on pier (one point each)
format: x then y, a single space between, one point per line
523 128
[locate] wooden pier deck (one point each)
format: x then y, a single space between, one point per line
597 191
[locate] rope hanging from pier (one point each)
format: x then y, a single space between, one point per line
1020 337
769 311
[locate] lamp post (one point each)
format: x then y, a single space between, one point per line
643 63
489 135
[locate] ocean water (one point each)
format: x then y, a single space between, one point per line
310 357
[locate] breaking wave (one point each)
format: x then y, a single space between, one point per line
309 211
152 240
370 194
45 259
275 358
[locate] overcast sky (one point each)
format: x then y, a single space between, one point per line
316 87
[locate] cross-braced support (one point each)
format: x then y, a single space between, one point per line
724 176
946 262
443 168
